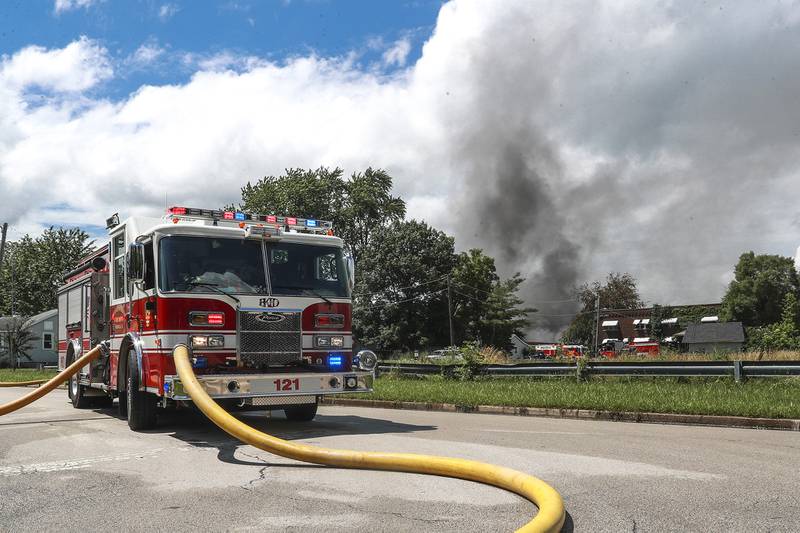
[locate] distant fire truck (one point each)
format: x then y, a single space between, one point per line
262 301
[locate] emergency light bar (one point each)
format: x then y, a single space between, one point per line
296 223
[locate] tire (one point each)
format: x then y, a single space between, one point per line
141 405
301 413
77 391
122 407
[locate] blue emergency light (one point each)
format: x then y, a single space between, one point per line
239 216
335 361
311 223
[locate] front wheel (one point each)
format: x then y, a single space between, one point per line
301 413
141 405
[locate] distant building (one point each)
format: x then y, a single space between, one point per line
527 348
44 349
628 324
709 337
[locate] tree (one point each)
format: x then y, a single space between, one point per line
400 292
34 267
757 292
505 314
472 282
783 335
618 292
487 310
16 342
358 207
368 207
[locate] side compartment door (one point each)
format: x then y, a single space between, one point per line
119 309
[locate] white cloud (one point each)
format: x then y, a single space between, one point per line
167 11
568 141
61 6
146 54
77 67
398 53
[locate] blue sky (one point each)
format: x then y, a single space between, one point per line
273 30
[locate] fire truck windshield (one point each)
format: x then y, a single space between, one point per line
236 266
307 270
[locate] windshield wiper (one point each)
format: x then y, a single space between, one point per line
318 295
214 287
307 289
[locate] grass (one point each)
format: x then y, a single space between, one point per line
25 374
769 398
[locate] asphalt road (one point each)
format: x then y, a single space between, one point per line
67 469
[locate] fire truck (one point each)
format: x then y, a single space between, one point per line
262 301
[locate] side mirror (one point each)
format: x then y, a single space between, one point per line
98 264
136 263
351 271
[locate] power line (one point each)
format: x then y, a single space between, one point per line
386 304
402 288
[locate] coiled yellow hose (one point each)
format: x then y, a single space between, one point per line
60 378
550 517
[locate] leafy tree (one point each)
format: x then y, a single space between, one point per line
37 266
472 282
783 335
368 206
400 291
15 341
618 292
357 207
760 284
505 314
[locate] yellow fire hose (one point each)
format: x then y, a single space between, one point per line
551 508
60 378
22 383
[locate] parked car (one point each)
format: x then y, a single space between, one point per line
453 353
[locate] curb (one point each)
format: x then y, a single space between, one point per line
787 424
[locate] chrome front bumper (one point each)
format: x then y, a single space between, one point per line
272 385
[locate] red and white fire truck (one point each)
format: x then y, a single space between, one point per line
262 301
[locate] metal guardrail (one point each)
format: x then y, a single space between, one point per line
736 369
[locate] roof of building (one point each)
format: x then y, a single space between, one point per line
6 321
714 332
35 319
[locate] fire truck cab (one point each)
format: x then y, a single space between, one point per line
263 302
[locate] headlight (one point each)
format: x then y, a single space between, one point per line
326 341
367 360
207 341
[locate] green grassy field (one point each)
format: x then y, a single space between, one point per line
25 374
771 398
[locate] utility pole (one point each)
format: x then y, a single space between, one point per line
3 244
450 312
13 295
597 323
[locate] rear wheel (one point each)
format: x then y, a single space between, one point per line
141 405
301 413
76 390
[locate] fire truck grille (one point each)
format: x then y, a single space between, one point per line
269 338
